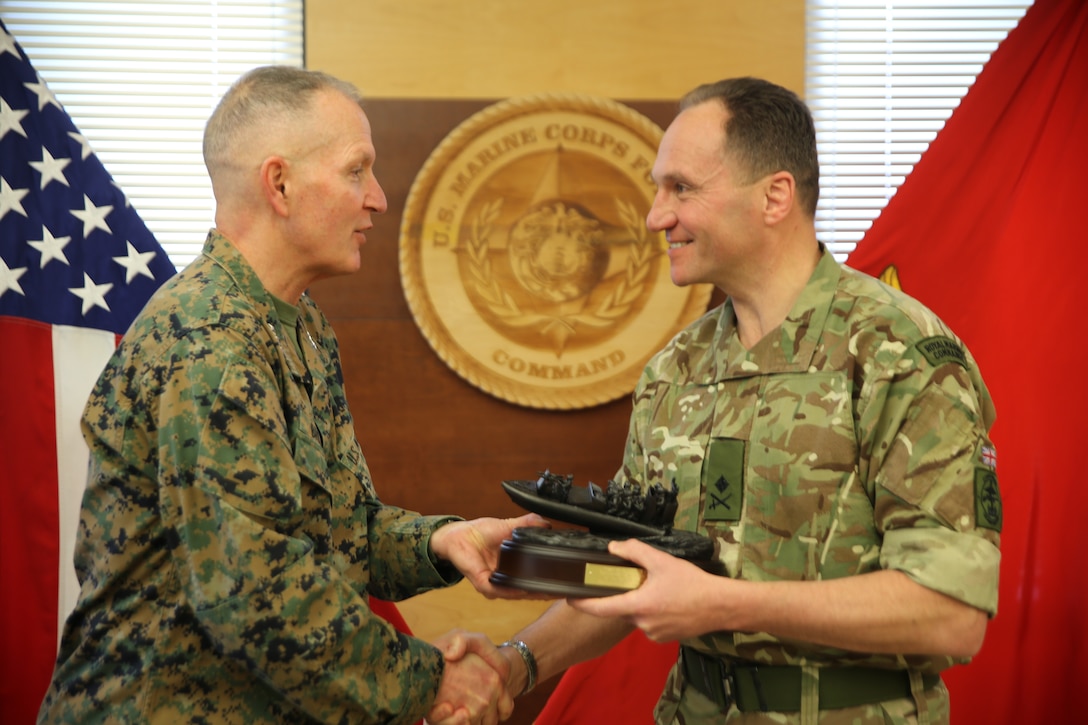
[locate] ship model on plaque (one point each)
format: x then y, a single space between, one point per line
576 562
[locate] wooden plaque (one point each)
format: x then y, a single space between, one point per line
525 257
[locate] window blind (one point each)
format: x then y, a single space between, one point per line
881 80
140 80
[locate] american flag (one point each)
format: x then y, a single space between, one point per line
76 266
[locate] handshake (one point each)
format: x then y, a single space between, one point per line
473 689
477 677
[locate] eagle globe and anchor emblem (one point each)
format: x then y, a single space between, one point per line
525 257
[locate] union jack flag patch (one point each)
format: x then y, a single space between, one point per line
988 456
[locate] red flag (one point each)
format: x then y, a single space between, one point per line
984 232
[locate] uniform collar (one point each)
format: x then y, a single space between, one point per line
222 252
790 346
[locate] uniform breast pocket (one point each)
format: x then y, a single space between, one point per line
801 464
311 460
803 429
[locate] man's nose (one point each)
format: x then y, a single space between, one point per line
659 217
375 198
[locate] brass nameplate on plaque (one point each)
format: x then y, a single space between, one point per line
614 577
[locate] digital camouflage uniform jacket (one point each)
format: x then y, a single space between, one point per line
230 532
850 439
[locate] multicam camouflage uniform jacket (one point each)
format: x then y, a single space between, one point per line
230 532
850 439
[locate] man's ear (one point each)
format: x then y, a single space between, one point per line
780 195
274 183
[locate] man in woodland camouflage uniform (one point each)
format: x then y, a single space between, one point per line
827 431
230 534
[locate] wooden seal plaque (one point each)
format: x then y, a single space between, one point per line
525 257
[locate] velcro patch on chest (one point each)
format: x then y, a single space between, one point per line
723 479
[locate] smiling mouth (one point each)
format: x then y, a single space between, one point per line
678 245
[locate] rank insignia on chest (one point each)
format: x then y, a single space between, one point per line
723 479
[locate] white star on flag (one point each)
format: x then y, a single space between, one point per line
50 168
83 143
11 199
45 96
11 119
93 295
51 247
135 262
9 278
93 217
7 45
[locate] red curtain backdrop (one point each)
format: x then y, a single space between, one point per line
983 231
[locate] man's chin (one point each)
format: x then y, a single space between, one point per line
679 278
345 268
353 263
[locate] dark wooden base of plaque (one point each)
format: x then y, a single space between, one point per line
564 572
577 563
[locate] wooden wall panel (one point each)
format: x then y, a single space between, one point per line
643 49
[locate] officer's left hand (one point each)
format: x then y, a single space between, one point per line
672 603
473 547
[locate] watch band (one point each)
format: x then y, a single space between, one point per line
530 662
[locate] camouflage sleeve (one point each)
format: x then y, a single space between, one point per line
265 593
391 534
932 470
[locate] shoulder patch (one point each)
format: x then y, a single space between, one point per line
939 350
988 510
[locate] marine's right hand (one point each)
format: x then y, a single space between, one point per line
473 686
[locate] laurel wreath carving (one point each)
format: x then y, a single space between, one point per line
608 312
481 277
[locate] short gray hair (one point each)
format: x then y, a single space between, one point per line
262 95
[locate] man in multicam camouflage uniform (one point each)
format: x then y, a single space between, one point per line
827 431
230 533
